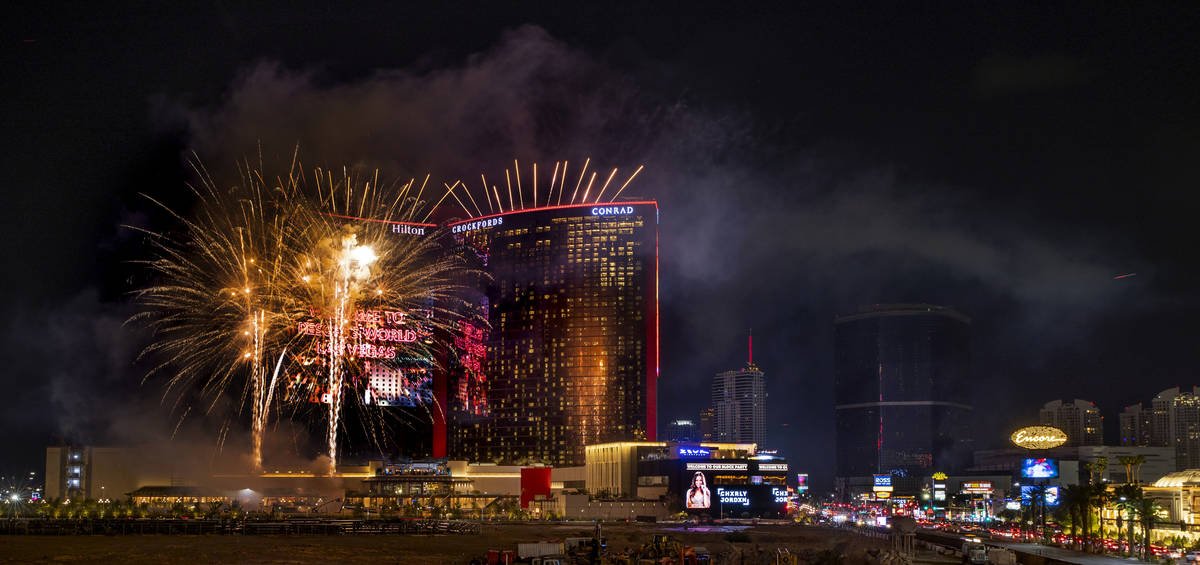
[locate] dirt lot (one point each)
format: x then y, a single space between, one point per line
381 549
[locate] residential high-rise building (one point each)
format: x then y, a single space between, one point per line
706 425
1175 422
1135 426
571 355
739 400
1080 419
901 389
682 431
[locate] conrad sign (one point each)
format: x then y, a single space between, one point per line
1039 437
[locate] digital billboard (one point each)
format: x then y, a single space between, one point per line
697 496
1039 468
731 487
1029 491
802 482
977 487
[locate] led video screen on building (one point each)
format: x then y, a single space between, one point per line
1040 468
1029 492
386 373
733 487
698 496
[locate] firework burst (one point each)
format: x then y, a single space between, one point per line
375 295
270 280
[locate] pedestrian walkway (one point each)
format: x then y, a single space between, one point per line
1067 555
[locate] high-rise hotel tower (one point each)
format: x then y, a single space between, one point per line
571 357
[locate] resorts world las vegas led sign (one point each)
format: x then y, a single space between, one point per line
1039 437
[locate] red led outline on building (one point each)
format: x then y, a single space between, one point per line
356 218
555 207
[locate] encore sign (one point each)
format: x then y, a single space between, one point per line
1039 437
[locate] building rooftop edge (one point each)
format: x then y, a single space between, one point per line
883 310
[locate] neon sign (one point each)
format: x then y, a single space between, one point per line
694 452
611 210
1039 437
716 466
478 225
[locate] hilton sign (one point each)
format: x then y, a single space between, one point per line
1039 437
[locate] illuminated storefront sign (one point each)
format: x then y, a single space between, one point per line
1039 437
694 452
977 487
780 495
478 225
611 210
733 496
883 483
772 467
717 466
883 494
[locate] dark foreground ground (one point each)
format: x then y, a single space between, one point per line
414 549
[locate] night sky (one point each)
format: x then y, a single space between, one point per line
1005 161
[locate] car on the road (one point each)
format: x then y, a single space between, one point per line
1192 556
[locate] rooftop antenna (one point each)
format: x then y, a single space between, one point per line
750 348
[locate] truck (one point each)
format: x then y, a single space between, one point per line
974 552
538 549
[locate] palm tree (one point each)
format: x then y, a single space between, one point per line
1096 467
1127 501
1147 511
1137 468
1072 499
1127 462
1099 499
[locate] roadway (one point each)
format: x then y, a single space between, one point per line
1068 555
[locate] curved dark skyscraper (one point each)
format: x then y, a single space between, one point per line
902 398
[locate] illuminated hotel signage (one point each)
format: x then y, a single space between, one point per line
883 483
694 452
612 210
977 487
407 229
717 466
478 224
1039 437
772 467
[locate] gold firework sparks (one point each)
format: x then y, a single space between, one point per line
517 201
263 260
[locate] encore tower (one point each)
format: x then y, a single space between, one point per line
571 357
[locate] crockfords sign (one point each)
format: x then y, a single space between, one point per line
478 224
1039 437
